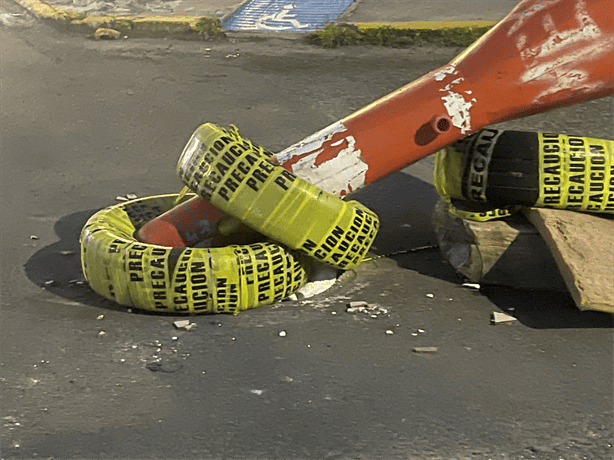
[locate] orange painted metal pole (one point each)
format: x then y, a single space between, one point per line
184 225
543 55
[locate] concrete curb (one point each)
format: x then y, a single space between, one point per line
423 25
153 25
186 25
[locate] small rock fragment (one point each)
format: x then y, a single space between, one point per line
131 196
389 332
107 34
430 296
100 317
102 334
359 303
67 253
282 333
425 350
498 317
472 286
184 325
33 237
362 307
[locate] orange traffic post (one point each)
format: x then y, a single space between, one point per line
545 54
184 225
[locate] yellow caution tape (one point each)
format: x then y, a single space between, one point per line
237 177
571 172
576 173
182 280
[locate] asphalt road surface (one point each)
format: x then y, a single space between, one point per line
84 121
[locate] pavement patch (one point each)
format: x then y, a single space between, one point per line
283 16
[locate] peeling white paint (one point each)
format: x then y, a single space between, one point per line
458 110
449 70
560 61
311 143
340 175
559 40
521 17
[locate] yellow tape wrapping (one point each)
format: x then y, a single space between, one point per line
238 178
182 280
571 172
576 173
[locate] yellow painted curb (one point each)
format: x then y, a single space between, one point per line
186 21
423 25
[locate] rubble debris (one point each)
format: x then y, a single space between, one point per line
430 296
33 237
363 307
498 317
472 286
389 332
322 278
99 317
357 304
131 196
121 198
107 34
184 325
102 334
424 350
282 333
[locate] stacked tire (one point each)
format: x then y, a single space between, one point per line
299 223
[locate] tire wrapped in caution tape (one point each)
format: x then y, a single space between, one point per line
491 173
182 280
237 177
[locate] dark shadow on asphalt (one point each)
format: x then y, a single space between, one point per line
57 267
543 309
404 205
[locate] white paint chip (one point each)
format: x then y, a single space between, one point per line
458 110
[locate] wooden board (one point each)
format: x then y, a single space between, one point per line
508 252
583 248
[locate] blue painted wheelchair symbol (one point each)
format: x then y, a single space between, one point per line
284 17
